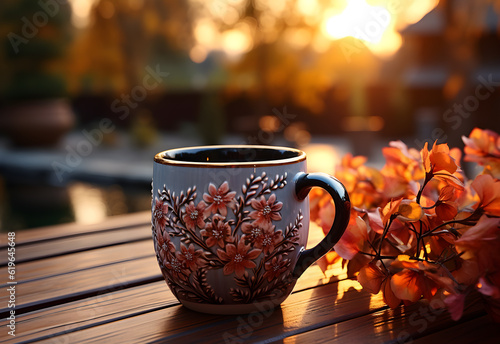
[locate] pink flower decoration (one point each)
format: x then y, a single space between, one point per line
275 267
269 239
238 258
217 231
190 257
262 236
159 214
177 268
252 230
163 241
219 199
194 215
266 211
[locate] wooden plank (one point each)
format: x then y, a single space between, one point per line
387 326
57 247
45 268
91 311
81 284
75 229
480 330
303 310
107 307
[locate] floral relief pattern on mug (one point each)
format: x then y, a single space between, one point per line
235 233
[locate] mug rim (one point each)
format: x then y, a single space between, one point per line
162 158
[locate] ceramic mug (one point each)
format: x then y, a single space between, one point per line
230 224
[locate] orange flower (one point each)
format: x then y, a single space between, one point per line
373 280
488 191
326 215
438 159
483 147
317 199
402 162
390 209
353 239
353 162
417 279
371 277
390 297
439 164
446 208
409 211
482 244
404 209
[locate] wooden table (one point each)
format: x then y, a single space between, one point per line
101 283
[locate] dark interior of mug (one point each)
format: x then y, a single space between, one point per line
228 154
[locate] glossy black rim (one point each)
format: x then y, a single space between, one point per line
230 156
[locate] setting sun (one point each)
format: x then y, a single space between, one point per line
359 20
377 27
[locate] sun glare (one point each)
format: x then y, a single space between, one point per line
81 12
376 26
359 20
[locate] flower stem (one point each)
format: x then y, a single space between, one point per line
386 229
428 177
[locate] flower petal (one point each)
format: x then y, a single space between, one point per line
212 189
409 211
253 254
406 285
224 188
277 206
222 209
371 278
228 268
231 250
389 297
256 204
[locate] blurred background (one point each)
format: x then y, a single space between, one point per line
90 90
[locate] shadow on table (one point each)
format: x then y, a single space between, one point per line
187 326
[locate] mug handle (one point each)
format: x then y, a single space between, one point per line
303 184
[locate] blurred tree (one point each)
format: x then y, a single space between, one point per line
124 37
34 40
35 36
